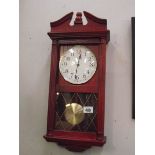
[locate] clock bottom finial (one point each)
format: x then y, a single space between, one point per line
75 148
75 145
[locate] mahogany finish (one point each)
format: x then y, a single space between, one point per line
95 36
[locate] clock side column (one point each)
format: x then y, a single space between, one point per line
101 91
52 87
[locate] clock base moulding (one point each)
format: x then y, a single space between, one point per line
75 143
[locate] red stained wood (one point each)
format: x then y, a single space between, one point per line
94 24
101 90
77 88
52 87
75 141
95 36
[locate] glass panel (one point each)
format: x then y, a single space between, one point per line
70 115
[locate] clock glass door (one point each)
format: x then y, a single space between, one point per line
76 112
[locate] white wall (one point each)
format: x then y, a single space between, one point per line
35 45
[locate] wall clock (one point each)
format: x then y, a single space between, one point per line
76 103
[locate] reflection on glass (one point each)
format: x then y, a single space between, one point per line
69 112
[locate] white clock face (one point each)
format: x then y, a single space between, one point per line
78 64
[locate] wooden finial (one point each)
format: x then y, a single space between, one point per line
78 19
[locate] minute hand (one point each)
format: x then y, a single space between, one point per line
79 61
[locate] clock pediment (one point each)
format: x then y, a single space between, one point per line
95 27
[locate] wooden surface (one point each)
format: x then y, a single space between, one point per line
95 36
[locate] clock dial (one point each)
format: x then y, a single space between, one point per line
78 64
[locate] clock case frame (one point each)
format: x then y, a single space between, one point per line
94 33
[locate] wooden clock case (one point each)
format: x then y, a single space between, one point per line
95 36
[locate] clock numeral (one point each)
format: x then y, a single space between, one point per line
71 75
64 64
91 64
88 72
72 54
68 58
76 77
79 51
66 71
84 76
89 59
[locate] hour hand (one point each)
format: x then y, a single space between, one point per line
79 60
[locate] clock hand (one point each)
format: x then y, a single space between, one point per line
80 56
79 60
78 63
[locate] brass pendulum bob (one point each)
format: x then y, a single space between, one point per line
74 113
